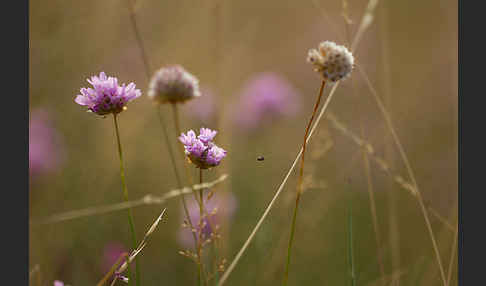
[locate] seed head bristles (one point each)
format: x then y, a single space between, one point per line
334 62
173 84
142 244
148 199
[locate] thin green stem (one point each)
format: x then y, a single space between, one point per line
189 179
300 181
201 221
125 195
291 239
138 37
178 133
169 147
176 172
201 209
179 183
350 242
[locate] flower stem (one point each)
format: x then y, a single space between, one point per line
350 243
176 172
189 179
125 195
201 210
300 181
201 227
178 133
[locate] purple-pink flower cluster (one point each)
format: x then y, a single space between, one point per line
107 96
201 149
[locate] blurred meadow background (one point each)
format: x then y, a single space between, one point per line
258 91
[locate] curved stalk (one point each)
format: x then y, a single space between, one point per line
301 179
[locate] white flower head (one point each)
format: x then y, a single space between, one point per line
334 62
173 84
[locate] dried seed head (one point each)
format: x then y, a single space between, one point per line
173 84
332 61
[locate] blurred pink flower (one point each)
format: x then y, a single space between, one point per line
58 283
226 205
111 253
264 96
46 151
202 107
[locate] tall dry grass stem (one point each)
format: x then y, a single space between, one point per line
366 164
113 268
329 23
383 165
277 193
453 256
374 216
300 180
394 233
125 195
146 200
365 23
140 247
138 37
350 241
409 170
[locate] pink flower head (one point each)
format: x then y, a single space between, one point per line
201 150
46 151
206 134
111 253
58 283
223 206
107 96
266 95
203 107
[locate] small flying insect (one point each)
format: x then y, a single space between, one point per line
260 158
